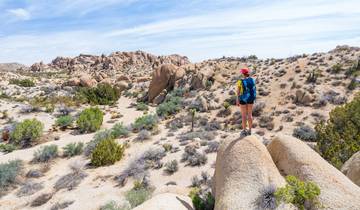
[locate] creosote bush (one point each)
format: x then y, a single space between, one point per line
107 152
45 153
27 132
102 94
303 195
305 133
22 82
90 120
8 173
339 137
73 149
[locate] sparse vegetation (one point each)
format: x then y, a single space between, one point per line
41 199
46 153
171 166
29 188
118 130
170 106
64 121
112 205
90 120
313 76
303 195
143 135
193 157
305 133
202 200
138 195
73 149
267 200
147 122
7 148
142 107
8 173
339 138
72 180
27 132
337 68
22 82
102 94
107 152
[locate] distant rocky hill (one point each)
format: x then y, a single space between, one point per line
125 62
12 66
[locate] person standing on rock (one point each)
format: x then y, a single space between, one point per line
245 98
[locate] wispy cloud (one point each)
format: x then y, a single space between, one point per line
207 29
20 13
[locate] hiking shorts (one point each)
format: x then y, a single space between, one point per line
244 103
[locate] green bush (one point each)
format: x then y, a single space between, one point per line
73 149
8 173
142 107
339 138
90 120
170 106
202 201
147 122
64 121
7 148
138 195
337 68
102 94
45 153
118 130
27 131
22 82
305 133
112 205
107 152
298 193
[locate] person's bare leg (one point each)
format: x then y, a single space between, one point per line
249 108
243 115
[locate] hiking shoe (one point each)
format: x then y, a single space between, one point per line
249 132
243 133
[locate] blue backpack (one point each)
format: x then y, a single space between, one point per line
248 90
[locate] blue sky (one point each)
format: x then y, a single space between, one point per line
40 30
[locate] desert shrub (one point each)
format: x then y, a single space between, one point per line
337 68
22 82
171 167
72 180
266 122
90 120
112 205
170 106
98 137
202 200
258 108
73 149
354 70
212 146
27 132
143 135
142 107
305 133
7 148
267 199
138 195
147 122
208 135
118 130
64 121
45 153
102 94
62 205
138 168
167 147
107 152
303 195
353 84
8 173
313 76
41 199
29 188
193 157
339 138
